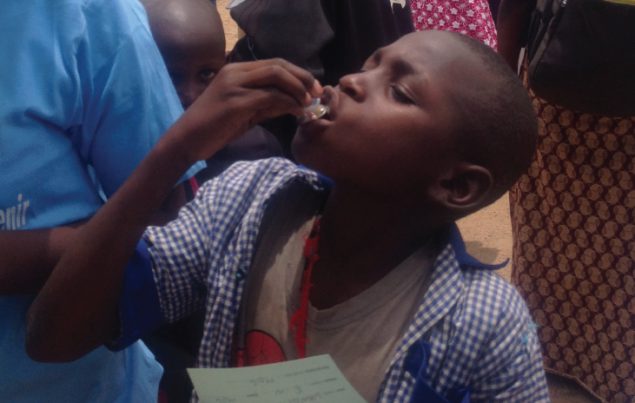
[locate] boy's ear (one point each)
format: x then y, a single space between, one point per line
465 188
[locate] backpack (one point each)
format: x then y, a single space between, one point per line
581 55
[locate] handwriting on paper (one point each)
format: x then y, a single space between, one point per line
309 380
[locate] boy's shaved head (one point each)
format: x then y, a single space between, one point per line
496 125
184 19
190 36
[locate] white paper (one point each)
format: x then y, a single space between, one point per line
309 380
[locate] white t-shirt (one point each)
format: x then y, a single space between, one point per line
361 334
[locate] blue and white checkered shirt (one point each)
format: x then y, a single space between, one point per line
471 336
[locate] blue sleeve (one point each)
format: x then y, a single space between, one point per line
139 309
183 251
510 368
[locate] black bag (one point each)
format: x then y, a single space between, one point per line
582 55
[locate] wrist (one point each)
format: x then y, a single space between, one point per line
175 151
60 240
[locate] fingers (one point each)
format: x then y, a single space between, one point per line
276 74
244 94
310 84
280 79
269 103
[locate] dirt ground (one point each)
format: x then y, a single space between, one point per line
487 234
232 33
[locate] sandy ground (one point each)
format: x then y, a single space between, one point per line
232 32
487 234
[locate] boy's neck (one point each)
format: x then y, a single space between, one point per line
361 240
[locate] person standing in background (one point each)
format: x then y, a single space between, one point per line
573 219
85 96
471 18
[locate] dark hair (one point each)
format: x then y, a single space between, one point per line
498 125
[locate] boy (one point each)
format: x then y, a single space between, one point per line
434 127
189 34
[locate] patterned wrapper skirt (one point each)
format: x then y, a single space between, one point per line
573 218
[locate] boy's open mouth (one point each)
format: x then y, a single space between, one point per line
321 109
314 112
329 99
327 115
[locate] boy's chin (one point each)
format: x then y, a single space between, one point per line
300 147
305 154
300 155
313 128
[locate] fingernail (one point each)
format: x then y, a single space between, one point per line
316 89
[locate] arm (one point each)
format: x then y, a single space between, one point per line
171 206
512 24
76 310
27 257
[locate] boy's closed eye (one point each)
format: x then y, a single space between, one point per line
396 69
400 95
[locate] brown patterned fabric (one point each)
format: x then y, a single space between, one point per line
573 218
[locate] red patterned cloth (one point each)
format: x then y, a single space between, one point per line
468 17
573 219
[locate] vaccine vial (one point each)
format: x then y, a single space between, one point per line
314 111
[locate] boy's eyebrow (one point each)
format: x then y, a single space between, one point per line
399 66
377 55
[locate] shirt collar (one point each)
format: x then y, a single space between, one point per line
463 257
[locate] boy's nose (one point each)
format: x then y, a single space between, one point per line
187 98
188 93
353 86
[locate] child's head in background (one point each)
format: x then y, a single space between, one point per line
190 36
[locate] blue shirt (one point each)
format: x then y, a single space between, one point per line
470 338
84 95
